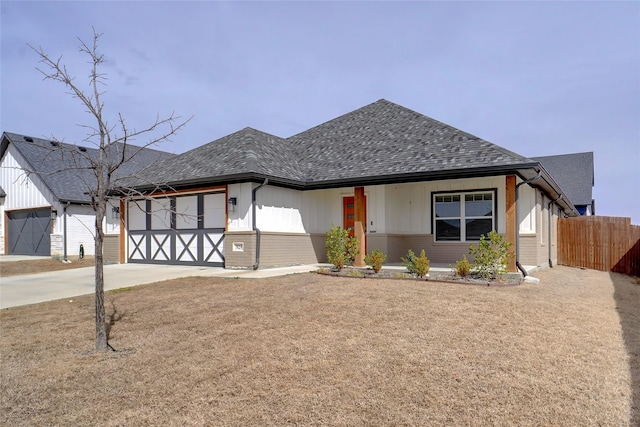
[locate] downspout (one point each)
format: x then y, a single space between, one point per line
64 231
524 272
253 220
549 228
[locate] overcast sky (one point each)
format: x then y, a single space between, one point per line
538 78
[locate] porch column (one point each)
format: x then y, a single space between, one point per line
511 220
359 224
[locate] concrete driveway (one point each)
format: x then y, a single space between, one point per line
35 288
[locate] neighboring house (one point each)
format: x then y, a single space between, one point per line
46 209
575 174
2 196
399 179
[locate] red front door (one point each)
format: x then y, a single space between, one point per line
349 215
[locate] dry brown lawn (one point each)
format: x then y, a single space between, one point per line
317 350
16 268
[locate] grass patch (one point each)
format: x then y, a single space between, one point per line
17 268
317 350
121 290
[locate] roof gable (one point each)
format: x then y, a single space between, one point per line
248 151
65 168
574 173
384 138
378 141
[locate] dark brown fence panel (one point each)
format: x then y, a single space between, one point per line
600 243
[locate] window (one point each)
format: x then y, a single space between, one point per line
464 216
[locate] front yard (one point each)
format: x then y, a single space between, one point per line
317 350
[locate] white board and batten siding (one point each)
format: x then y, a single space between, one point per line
28 191
24 191
396 208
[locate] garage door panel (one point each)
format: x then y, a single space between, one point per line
137 247
29 232
192 231
213 247
187 247
161 247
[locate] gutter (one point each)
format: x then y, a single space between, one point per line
64 231
549 227
253 220
524 272
307 184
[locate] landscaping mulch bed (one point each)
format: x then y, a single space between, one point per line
433 276
310 349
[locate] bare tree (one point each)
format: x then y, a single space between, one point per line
103 171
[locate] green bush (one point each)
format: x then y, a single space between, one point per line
421 265
462 267
418 265
375 259
341 248
409 261
491 255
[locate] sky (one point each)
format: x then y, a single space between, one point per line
537 78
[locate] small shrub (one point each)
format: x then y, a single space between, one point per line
409 262
491 255
418 265
421 265
375 259
462 267
341 248
352 249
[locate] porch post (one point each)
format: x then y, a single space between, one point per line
359 224
511 220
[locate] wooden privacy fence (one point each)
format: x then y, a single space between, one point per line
600 243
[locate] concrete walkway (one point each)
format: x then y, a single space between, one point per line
35 288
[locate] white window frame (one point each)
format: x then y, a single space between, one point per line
462 197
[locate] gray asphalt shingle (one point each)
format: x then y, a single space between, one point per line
378 140
244 152
574 173
65 168
384 138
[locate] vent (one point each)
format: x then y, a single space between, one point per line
28 138
83 149
54 144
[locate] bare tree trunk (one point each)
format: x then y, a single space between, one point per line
114 151
101 326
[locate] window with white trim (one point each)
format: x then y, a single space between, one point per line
461 217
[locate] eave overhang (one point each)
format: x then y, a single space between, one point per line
524 171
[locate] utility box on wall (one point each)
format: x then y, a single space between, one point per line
111 248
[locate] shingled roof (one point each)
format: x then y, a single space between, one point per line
386 139
246 152
574 173
63 167
381 142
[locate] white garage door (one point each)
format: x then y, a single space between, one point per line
186 230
